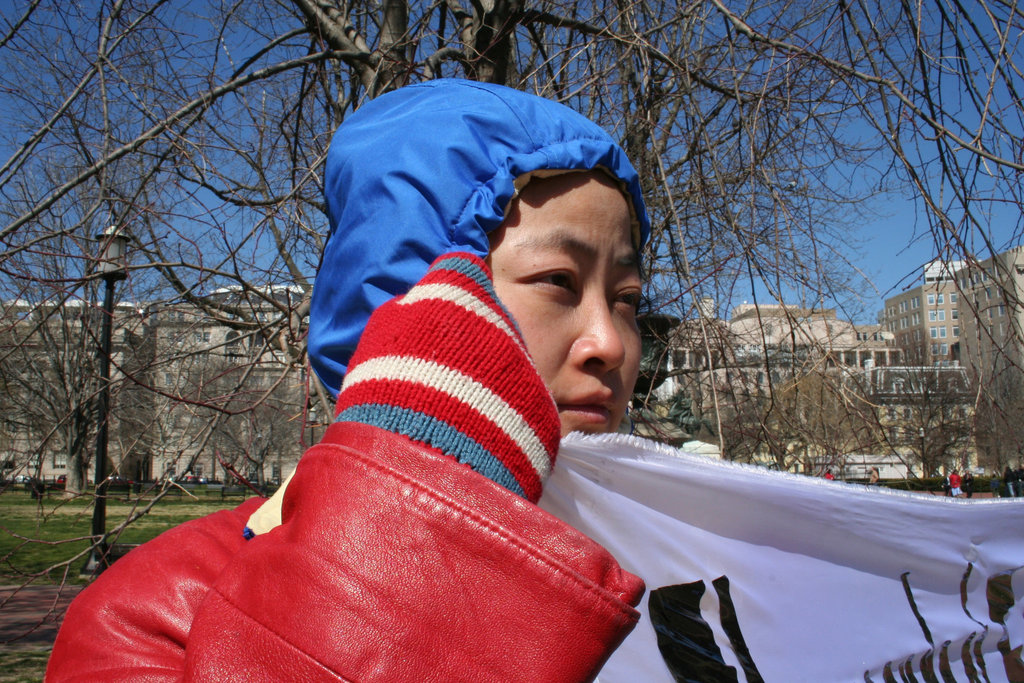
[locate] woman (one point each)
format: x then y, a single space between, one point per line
407 546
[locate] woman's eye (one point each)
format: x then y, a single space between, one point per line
562 280
631 299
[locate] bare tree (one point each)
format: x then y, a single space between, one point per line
999 419
926 413
49 391
762 131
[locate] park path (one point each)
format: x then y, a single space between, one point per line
30 615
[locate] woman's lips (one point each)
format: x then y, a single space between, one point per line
584 413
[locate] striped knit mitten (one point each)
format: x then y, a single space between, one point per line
445 366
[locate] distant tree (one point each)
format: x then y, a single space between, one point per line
932 415
45 356
805 421
999 420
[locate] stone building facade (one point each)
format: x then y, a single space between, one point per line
192 394
992 313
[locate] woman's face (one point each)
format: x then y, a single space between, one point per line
565 267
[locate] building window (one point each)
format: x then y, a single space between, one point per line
1002 309
956 331
939 298
931 299
932 316
915 302
942 316
944 349
934 332
935 349
942 332
955 314
953 297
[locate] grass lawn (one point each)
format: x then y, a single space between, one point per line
22 667
46 541
43 539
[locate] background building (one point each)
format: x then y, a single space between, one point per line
771 384
992 351
794 335
991 313
924 320
191 394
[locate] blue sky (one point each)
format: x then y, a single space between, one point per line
897 244
895 248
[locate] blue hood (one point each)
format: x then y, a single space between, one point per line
426 170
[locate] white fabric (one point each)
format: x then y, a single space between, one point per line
830 581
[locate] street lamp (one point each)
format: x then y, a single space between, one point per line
924 465
111 267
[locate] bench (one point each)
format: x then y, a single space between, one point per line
235 491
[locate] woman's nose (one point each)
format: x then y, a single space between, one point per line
600 344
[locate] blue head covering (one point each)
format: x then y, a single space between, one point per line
430 169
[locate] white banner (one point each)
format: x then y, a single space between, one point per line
755 575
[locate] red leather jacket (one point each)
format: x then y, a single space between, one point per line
392 564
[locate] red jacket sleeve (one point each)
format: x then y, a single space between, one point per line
393 564
396 564
132 623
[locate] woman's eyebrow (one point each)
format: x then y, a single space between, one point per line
560 241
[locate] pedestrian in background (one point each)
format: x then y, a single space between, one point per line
968 483
954 484
1010 480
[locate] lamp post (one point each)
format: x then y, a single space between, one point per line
920 433
111 267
